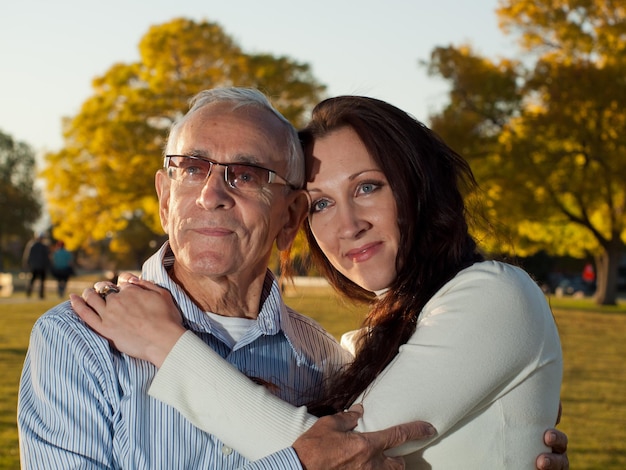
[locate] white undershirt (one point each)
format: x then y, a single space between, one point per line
231 328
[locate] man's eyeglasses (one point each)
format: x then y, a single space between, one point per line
194 171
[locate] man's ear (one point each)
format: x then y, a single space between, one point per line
162 183
298 209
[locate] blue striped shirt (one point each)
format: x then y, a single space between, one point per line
83 404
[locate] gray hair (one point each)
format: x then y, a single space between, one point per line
241 97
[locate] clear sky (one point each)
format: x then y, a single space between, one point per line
50 50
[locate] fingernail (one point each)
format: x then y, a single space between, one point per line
430 429
546 462
551 437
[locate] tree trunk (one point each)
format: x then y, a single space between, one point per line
607 265
2 251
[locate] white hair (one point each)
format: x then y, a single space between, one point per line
241 97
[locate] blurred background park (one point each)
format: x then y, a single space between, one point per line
531 92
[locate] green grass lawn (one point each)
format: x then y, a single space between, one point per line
16 320
593 392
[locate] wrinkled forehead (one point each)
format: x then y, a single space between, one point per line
224 128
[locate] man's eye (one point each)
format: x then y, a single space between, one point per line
193 170
247 177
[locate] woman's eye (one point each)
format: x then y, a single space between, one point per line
367 188
319 205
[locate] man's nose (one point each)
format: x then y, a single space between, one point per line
214 192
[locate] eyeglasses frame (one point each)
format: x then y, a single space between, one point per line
273 177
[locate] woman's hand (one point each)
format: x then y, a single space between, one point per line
140 319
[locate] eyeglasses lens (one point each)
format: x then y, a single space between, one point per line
191 171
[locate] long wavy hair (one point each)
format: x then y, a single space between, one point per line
428 180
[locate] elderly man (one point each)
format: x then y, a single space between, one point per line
228 192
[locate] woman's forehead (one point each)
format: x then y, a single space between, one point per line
341 151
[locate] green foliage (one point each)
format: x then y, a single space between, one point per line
19 201
103 178
546 133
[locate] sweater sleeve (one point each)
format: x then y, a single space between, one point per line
242 414
489 330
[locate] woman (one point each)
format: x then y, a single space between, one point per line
465 344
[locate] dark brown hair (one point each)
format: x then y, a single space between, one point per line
427 179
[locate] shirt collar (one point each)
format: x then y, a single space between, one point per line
273 317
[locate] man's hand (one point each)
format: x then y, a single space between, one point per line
331 444
557 460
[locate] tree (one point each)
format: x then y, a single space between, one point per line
18 198
546 133
102 182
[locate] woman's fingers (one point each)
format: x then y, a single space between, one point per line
138 317
84 311
104 288
127 277
130 278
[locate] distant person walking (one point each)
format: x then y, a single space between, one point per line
589 278
37 260
62 266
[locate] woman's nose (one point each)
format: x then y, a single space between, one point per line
351 221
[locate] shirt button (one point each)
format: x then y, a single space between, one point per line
227 450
